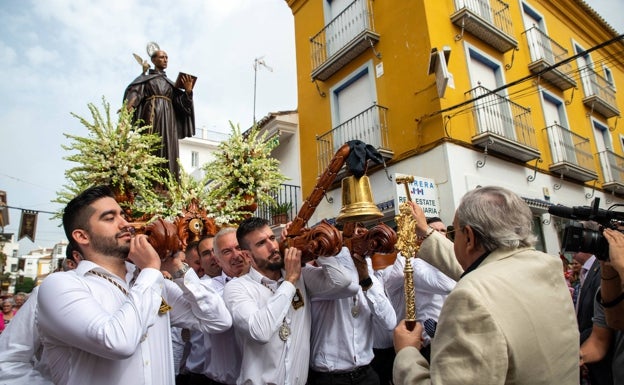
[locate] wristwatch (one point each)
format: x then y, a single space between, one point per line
180 273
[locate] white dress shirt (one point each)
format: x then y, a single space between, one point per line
431 287
19 347
223 355
93 333
258 312
178 345
196 359
340 340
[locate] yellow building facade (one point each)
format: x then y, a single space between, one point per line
522 94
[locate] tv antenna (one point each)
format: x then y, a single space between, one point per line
259 61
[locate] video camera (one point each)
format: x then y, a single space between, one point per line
578 238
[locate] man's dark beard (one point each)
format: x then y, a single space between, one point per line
273 266
110 246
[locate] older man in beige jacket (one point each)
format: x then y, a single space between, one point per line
510 319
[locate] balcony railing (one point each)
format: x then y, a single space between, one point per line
370 126
216 136
286 193
545 52
613 170
571 154
344 38
599 94
503 126
489 20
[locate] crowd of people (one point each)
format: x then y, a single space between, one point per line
234 309
10 306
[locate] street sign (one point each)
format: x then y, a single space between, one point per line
423 192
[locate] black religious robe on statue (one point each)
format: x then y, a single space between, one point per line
169 110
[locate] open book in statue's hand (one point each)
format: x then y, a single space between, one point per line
180 84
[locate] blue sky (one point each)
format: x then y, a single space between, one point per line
60 55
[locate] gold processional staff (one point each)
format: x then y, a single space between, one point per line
407 245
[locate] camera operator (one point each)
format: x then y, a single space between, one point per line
611 291
607 333
598 372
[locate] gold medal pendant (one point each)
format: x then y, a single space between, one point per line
297 301
284 331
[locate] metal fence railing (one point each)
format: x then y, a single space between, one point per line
354 19
370 126
569 147
495 12
498 115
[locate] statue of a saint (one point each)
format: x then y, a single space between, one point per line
157 101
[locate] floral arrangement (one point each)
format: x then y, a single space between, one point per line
242 175
182 193
119 155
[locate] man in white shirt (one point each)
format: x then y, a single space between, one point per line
180 336
20 345
207 258
205 355
229 255
192 257
108 321
270 306
343 329
193 357
222 353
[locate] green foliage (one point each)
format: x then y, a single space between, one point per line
243 172
25 285
281 208
3 258
119 155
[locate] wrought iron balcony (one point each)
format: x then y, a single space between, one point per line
284 195
503 126
571 154
545 52
488 20
599 94
343 39
370 126
613 171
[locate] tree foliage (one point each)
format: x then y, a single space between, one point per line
25 285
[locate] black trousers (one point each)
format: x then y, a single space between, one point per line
195 379
363 375
382 364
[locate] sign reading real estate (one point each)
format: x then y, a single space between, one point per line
422 191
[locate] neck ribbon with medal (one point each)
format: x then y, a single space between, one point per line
297 303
